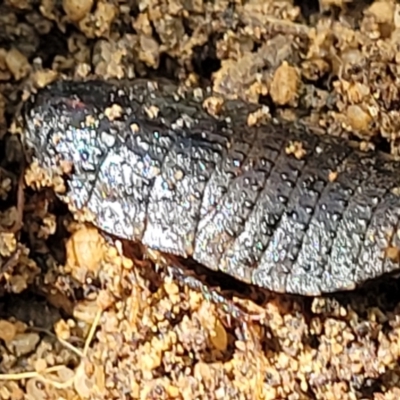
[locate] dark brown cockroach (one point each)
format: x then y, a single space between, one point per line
153 166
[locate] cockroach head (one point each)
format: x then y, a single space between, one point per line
62 124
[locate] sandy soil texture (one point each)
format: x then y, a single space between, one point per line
78 319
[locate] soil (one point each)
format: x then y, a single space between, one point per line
81 318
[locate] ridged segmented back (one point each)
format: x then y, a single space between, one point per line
155 167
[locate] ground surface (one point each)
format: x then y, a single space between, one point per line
77 320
